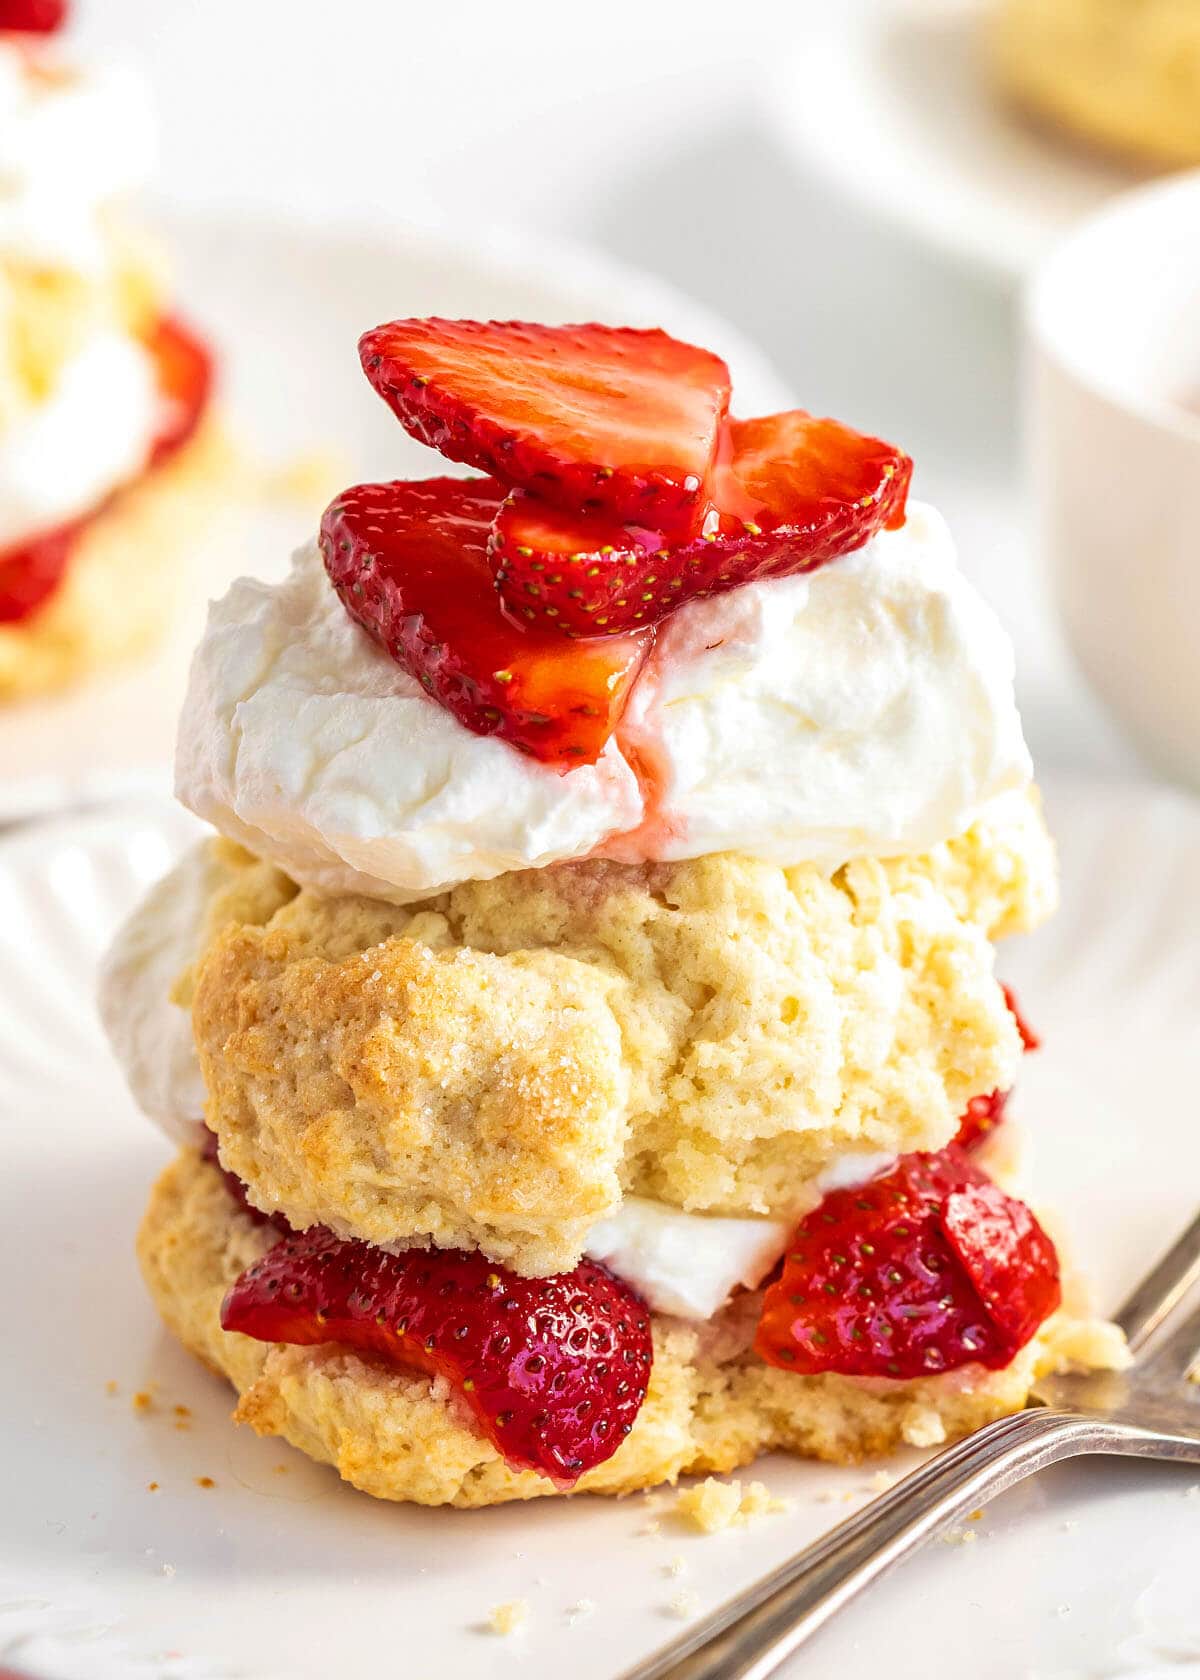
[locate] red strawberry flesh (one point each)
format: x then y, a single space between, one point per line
927 1268
554 1369
184 369
32 570
789 493
36 17
409 561
590 417
983 1114
1029 1039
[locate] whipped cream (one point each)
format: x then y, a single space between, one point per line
865 709
686 1264
78 445
151 1036
70 143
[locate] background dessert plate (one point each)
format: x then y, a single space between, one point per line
133 1507
890 101
284 303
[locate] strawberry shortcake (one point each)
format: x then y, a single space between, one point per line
581 1038
108 460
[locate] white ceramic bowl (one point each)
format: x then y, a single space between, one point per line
1113 321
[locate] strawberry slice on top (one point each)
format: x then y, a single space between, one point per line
554 1369
409 561
789 493
926 1268
615 419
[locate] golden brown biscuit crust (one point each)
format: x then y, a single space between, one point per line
494 1067
400 1435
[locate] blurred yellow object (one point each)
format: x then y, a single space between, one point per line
1122 74
49 314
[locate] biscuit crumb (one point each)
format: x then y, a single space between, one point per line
922 1427
151 1487
580 1611
280 1469
168 1570
182 1411
713 1505
509 1617
685 1604
651 1527
142 1401
205 1482
112 1387
677 1566
882 1480
960 1537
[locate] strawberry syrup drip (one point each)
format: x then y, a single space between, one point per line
31 571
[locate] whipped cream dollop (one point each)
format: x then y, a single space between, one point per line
864 709
89 436
71 142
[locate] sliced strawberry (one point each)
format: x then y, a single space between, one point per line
926 1268
1029 1039
790 493
409 561
590 417
36 17
184 366
555 1368
983 1114
32 571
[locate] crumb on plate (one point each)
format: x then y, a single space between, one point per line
713 1505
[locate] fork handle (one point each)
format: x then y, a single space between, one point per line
748 1638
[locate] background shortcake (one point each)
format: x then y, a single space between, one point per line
108 458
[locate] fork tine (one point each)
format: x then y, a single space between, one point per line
1161 1291
1177 1353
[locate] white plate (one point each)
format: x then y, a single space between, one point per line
285 1574
890 100
285 303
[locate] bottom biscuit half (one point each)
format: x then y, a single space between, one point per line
399 1434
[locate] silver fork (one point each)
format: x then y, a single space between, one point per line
1150 1410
